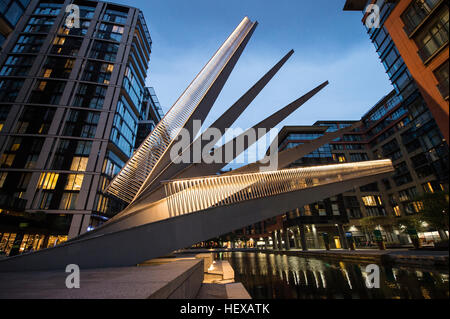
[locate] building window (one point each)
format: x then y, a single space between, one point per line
48 181
4 111
339 158
18 151
39 25
35 120
79 164
111 32
81 124
335 209
442 76
72 155
433 38
57 68
397 211
98 72
115 16
9 89
401 175
14 13
66 46
74 182
28 44
48 9
359 157
47 92
372 201
17 65
82 30
68 200
417 11
90 96
104 51
408 194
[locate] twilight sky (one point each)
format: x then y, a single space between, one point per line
329 44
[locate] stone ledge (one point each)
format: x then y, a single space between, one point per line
178 279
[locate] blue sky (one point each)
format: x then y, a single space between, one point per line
329 44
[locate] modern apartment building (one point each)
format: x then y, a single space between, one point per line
385 133
10 13
72 94
151 114
412 42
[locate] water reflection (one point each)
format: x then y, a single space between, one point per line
268 276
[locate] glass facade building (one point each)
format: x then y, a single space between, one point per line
71 100
10 13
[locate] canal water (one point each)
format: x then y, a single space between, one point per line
270 276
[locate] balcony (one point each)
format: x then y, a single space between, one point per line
416 14
443 88
437 41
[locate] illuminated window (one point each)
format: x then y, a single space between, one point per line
79 164
2 178
22 127
307 210
42 86
48 181
418 206
371 201
74 182
15 147
47 73
335 208
7 160
68 201
59 40
339 158
117 29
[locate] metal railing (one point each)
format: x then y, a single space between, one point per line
191 195
437 40
131 178
412 19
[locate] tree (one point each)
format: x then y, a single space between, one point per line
411 222
370 223
411 225
435 209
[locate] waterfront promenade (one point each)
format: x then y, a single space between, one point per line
425 258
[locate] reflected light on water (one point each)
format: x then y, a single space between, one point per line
268 276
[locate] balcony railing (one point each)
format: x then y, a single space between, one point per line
437 41
421 12
190 195
443 89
